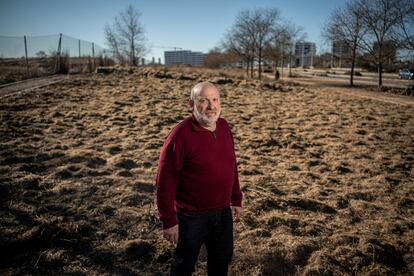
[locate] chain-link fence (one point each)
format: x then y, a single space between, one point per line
32 56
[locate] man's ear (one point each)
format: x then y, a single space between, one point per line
191 104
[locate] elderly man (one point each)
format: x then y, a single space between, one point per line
198 192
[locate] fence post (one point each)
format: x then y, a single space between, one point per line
57 67
93 57
27 59
79 48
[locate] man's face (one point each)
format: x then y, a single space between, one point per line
206 107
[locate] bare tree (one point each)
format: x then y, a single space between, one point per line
126 36
285 42
112 42
278 49
240 39
380 18
250 34
406 24
346 28
264 25
294 34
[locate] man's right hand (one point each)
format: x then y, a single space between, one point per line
171 234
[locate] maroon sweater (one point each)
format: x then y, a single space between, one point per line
197 171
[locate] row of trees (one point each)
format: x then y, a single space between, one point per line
257 36
373 27
261 36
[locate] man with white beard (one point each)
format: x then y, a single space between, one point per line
198 191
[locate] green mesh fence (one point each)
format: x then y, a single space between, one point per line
32 56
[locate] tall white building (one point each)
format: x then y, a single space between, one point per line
304 54
183 57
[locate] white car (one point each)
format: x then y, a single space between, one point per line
406 74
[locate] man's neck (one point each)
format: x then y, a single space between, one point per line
210 127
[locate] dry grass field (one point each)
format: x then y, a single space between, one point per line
327 177
15 69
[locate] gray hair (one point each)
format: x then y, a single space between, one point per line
196 90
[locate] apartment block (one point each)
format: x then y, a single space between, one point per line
183 57
304 54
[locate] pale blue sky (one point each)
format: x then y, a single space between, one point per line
193 25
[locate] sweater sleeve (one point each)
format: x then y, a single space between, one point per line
236 195
170 162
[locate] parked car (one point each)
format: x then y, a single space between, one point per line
406 74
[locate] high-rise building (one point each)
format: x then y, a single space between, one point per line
183 57
304 54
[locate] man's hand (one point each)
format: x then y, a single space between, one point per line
236 212
171 234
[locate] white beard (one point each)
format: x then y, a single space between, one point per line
203 119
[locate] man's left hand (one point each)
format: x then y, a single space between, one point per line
236 211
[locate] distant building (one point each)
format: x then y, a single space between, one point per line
183 57
341 54
304 54
197 58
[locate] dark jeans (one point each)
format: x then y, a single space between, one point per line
215 229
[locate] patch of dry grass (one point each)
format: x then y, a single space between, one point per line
326 176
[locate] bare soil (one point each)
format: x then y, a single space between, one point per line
327 176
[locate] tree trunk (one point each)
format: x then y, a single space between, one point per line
281 66
252 68
132 54
380 75
351 81
260 64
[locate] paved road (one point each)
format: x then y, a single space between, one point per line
389 80
331 85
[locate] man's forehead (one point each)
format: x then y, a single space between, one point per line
209 90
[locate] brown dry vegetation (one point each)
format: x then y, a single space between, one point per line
327 177
12 70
